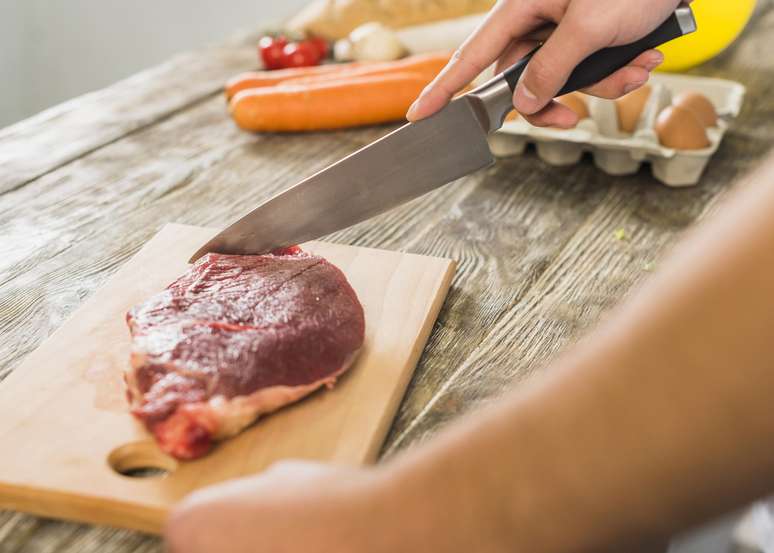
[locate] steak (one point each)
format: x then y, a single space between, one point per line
236 337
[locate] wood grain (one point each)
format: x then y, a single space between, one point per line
66 410
538 261
65 132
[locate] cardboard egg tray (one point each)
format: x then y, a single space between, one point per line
618 153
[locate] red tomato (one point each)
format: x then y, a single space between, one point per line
320 44
270 49
300 54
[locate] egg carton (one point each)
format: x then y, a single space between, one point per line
618 153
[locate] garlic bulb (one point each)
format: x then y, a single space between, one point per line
375 42
342 50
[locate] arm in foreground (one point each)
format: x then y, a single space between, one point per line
657 420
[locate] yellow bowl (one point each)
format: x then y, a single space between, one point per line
719 22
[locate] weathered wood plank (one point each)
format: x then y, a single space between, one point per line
76 225
20 533
65 132
69 230
183 178
590 274
537 210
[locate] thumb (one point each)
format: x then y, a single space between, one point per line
551 66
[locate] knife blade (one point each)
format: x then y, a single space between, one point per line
412 160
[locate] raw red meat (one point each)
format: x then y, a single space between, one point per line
235 337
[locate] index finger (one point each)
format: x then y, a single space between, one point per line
506 21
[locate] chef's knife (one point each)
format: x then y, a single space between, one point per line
413 160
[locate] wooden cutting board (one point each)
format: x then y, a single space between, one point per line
65 428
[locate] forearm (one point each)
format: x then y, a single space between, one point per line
660 418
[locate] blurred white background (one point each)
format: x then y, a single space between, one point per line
53 50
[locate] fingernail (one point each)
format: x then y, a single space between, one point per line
633 86
525 100
412 110
655 60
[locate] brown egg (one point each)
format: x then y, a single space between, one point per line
629 108
576 103
700 105
679 128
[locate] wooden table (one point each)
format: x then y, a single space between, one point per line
84 185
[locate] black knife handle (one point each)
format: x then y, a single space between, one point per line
607 61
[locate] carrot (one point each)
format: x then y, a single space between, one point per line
335 104
429 69
256 79
431 64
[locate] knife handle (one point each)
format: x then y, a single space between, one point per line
607 61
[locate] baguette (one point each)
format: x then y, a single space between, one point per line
334 19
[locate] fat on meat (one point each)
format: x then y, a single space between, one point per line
237 337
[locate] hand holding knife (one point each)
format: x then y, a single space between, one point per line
414 159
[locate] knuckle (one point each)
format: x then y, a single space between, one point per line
540 76
596 32
469 63
606 89
536 120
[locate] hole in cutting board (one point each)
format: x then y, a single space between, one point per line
141 460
